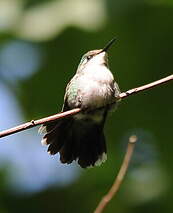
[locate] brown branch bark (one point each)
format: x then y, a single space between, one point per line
123 95
118 180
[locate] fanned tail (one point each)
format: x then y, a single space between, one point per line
78 140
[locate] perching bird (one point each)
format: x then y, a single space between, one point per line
81 136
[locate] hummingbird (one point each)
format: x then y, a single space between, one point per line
80 137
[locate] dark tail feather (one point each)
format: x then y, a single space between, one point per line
92 147
76 140
56 133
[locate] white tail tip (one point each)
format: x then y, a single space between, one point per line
44 141
102 158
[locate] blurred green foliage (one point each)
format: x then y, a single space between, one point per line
142 54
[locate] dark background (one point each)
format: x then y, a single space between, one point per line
41 43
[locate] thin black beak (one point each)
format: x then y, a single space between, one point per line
108 45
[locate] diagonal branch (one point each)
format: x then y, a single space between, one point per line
60 115
118 180
145 87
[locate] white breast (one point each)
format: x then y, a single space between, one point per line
99 73
96 86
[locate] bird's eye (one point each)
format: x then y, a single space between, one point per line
88 57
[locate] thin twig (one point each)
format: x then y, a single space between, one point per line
34 123
118 180
145 87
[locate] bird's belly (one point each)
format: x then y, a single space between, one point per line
96 116
95 94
